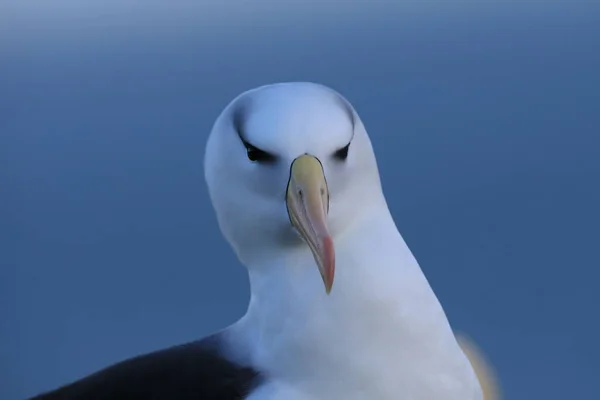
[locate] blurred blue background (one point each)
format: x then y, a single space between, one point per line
485 117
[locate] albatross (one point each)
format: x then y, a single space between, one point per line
339 307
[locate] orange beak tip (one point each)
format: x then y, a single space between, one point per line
328 263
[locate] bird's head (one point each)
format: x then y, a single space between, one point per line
290 164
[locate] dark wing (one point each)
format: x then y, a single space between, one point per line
193 371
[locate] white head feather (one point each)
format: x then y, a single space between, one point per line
286 120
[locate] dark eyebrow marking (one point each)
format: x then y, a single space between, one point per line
238 118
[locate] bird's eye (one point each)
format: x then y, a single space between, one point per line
258 155
342 153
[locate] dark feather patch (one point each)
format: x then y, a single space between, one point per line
193 371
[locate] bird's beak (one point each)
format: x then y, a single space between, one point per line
307 200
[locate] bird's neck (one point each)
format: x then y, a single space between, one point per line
375 271
381 307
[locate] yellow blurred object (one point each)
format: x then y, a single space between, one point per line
483 369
